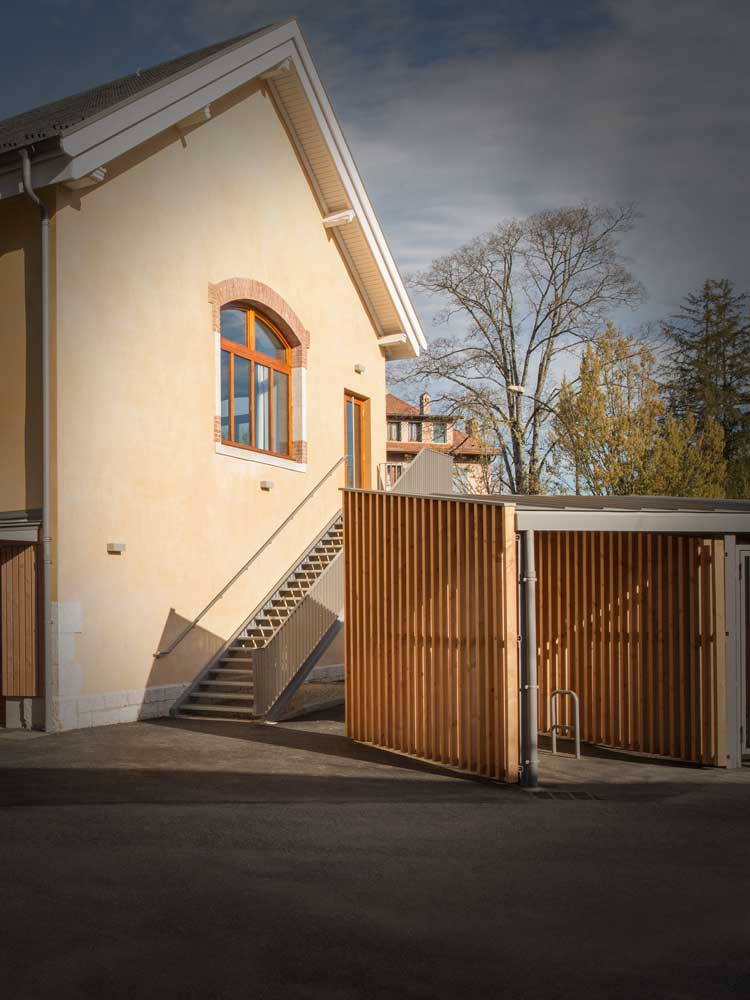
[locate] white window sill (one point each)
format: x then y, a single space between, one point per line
260 458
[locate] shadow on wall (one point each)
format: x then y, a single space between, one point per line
189 657
21 350
33 415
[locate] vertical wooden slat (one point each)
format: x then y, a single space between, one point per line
624 645
452 706
695 657
684 645
720 652
428 570
350 615
706 628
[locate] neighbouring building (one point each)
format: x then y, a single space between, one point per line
411 429
195 328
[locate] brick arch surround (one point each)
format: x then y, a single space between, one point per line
267 301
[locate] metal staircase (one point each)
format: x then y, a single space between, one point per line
277 646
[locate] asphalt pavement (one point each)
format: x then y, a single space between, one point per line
212 860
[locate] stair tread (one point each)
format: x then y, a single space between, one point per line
226 717
221 694
237 709
225 683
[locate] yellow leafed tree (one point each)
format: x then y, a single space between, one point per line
616 438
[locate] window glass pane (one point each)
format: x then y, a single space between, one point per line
439 433
415 431
394 430
225 395
357 445
241 400
234 326
266 341
281 413
262 400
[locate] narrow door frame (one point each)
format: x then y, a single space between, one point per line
362 404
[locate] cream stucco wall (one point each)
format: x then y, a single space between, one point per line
137 461
20 357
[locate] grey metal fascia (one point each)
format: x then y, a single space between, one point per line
670 522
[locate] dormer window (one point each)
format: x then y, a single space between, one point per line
256 401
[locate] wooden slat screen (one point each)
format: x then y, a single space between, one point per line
634 623
19 633
431 629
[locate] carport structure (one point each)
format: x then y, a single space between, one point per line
464 613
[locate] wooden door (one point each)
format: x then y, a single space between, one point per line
19 627
354 437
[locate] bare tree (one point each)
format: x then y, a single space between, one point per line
528 290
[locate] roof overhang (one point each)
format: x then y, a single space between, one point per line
20 526
669 522
315 132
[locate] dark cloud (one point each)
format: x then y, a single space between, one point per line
462 114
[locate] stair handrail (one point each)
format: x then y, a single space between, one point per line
214 600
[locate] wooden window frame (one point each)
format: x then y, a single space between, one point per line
396 424
257 357
414 424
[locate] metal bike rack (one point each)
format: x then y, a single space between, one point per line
556 727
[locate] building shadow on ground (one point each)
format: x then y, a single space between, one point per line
304 735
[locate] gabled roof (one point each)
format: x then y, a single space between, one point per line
399 407
54 119
395 407
72 140
465 444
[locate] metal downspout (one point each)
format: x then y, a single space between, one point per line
49 715
529 686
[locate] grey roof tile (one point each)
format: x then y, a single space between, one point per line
56 118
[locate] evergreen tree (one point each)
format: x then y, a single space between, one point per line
708 371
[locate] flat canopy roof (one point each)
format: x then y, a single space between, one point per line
681 515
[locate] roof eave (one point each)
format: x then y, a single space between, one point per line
96 142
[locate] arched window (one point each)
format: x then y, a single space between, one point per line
256 400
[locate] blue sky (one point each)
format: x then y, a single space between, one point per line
460 115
